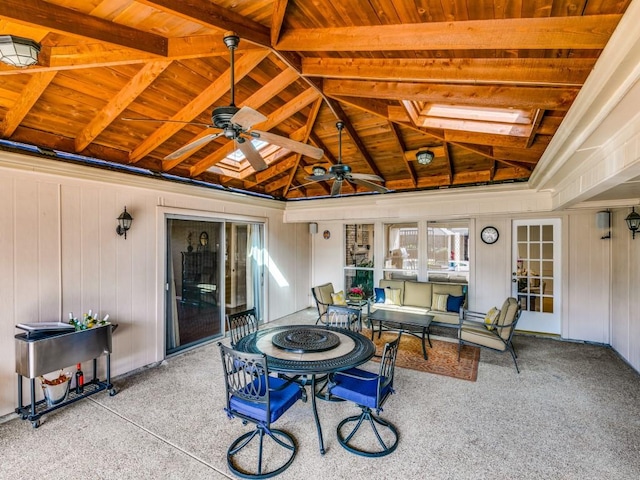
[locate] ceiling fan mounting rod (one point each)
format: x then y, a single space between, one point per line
339 126
231 40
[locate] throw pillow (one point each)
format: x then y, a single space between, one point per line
338 298
379 295
439 302
454 303
392 296
491 318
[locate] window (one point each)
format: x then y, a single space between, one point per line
401 246
358 270
448 251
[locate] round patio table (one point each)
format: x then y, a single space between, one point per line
309 350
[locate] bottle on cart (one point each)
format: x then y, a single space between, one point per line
79 379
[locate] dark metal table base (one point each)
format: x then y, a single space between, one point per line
402 326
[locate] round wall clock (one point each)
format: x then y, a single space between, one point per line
489 235
326 234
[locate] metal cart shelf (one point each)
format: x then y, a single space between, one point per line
41 353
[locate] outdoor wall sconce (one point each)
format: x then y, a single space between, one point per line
18 51
633 222
124 223
425 157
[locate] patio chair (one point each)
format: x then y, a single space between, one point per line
254 396
241 324
474 330
344 317
369 391
322 296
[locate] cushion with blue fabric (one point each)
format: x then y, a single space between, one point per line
361 391
454 303
281 400
379 292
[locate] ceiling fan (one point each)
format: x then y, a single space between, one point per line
340 172
235 124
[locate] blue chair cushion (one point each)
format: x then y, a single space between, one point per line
358 390
380 297
281 401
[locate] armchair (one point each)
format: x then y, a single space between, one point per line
322 296
498 337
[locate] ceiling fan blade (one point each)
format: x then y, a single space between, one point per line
303 185
336 187
320 178
369 185
293 145
247 117
192 146
130 119
366 176
251 154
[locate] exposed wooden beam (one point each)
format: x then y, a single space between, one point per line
311 120
255 101
575 32
521 97
38 13
277 19
281 114
196 106
38 82
116 105
357 141
449 160
208 13
397 135
506 71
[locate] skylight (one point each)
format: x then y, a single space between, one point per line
238 156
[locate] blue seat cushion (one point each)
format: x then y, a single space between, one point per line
358 390
454 303
281 401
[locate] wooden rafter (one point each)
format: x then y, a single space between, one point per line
397 135
28 97
576 32
196 106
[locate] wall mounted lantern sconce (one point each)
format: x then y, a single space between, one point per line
18 51
424 157
633 222
124 223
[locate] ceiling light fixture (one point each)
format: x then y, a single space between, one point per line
18 51
424 157
319 170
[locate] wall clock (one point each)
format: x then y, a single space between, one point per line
204 239
489 235
326 234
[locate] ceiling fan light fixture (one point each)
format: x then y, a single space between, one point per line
319 170
18 51
424 157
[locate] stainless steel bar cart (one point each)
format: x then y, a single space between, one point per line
42 351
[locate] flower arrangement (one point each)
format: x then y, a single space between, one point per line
89 320
356 292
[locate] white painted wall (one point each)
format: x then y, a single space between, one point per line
60 253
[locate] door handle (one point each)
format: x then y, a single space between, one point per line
515 280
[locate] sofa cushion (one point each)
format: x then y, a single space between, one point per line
379 295
454 303
417 294
399 284
439 302
392 296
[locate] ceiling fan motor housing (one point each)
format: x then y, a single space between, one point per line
221 116
340 170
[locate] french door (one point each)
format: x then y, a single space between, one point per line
536 274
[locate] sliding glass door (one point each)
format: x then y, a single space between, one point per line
212 268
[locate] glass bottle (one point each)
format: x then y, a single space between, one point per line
79 379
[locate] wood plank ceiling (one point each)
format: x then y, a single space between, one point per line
484 85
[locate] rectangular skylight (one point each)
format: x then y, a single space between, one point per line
501 115
238 156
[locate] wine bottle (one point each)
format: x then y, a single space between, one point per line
79 379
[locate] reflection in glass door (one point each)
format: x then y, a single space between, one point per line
536 273
194 312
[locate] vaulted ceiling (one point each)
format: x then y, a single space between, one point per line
484 85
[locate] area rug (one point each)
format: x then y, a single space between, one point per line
442 356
